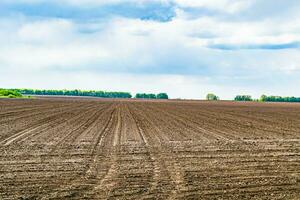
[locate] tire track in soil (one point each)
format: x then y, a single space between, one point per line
105 185
113 184
165 166
98 183
130 134
83 186
157 167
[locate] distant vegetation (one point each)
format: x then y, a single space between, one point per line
18 93
243 98
10 93
90 93
212 97
151 96
279 99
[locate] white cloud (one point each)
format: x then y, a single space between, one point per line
47 43
135 43
54 30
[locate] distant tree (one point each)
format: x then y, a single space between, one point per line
243 98
162 96
212 97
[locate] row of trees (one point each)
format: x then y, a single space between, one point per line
279 99
152 96
91 93
265 98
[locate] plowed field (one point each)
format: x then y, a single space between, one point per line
75 148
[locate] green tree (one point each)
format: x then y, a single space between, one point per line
212 97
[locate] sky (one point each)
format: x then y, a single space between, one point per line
186 48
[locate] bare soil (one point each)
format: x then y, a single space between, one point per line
84 148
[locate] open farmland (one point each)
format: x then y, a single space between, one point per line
76 148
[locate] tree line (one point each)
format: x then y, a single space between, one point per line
265 98
89 93
15 93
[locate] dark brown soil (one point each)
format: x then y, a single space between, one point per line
83 148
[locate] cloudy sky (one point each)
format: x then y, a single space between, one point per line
186 48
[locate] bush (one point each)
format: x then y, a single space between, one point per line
212 97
